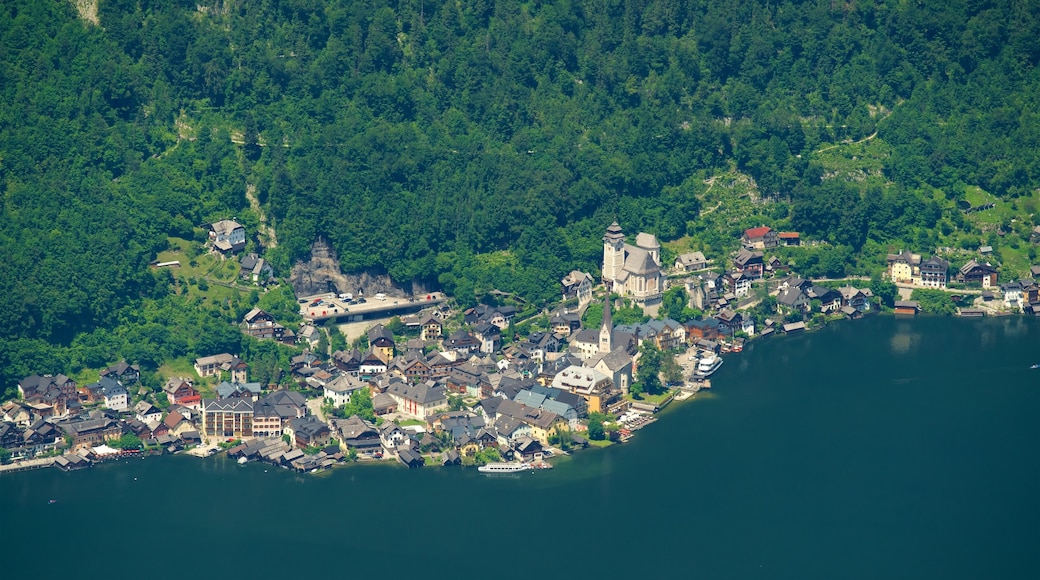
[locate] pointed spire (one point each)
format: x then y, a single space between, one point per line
607 323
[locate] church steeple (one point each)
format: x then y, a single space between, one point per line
606 330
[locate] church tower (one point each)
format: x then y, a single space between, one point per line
613 255
606 329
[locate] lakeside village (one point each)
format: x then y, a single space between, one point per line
461 388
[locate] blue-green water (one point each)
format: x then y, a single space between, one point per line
880 448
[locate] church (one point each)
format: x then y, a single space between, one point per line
632 271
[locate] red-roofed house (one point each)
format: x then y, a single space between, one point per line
790 238
760 238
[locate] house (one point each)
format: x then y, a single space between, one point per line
462 342
595 387
749 263
705 328
411 366
541 424
760 238
578 285
371 365
789 238
91 432
856 298
1013 296
308 432
256 269
564 323
392 436
632 270
125 373
338 390
250 391
261 325
227 418
617 366
737 283
147 412
794 327
210 366
904 267
792 299
974 272
227 236
830 299
358 434
115 395
177 424
419 400
181 391
381 340
489 335
430 328
933 272
529 449
274 411
690 261
348 361
773 264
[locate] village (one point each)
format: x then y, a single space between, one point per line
444 386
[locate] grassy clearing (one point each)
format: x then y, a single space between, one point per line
861 162
178 367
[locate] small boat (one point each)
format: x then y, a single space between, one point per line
53 501
243 460
1035 366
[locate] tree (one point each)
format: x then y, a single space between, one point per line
670 370
487 455
127 442
596 432
673 302
5 456
650 367
456 403
884 290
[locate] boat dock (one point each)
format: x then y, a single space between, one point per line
27 465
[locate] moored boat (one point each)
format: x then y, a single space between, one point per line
504 467
708 365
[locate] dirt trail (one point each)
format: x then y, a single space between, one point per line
268 238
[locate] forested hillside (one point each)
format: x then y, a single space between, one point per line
485 144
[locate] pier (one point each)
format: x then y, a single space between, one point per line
27 464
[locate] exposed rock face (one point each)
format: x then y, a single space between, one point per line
313 276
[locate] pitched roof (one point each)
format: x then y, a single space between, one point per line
758 232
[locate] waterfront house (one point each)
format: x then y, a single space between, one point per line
529 449
830 299
181 391
227 418
308 432
933 273
792 300
391 436
92 431
275 410
760 238
1012 295
410 458
177 424
357 434
705 328
856 298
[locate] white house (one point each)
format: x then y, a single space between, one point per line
116 397
227 236
339 390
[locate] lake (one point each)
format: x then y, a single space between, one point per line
879 448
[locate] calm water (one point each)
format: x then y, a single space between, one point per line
879 448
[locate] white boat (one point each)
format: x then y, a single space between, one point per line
708 365
243 460
511 467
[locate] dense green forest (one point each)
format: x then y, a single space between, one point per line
478 145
